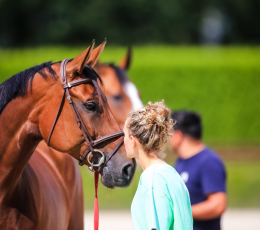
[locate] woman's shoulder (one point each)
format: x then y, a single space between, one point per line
158 176
164 173
165 177
158 169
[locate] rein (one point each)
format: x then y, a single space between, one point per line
90 142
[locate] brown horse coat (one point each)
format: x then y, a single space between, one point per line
38 191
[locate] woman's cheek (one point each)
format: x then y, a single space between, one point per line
126 147
128 150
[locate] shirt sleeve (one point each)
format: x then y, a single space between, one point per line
158 210
213 177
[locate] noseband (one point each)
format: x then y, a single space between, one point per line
90 142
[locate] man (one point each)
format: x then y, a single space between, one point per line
201 169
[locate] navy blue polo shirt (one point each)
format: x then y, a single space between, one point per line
203 174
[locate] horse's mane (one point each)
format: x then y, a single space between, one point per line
120 73
16 86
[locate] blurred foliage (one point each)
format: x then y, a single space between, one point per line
222 84
243 186
37 22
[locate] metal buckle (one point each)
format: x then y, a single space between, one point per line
100 162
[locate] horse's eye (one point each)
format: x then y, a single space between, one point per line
118 98
91 106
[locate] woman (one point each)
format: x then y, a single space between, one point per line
162 199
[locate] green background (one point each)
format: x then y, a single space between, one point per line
221 83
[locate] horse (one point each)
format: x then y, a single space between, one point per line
123 97
36 191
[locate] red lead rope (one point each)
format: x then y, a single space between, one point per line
96 209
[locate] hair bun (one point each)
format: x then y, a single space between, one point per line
151 125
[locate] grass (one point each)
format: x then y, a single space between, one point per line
243 187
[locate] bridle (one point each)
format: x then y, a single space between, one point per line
90 142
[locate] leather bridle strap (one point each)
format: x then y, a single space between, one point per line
56 118
114 151
79 120
90 142
103 139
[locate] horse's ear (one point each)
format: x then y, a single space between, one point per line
126 61
95 54
98 65
79 62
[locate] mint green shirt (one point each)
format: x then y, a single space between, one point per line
161 201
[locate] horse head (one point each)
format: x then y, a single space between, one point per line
61 129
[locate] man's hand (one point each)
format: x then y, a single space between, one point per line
211 208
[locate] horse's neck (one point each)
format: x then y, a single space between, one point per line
19 137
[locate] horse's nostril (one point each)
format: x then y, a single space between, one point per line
128 170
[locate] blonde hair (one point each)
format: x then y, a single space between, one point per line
151 125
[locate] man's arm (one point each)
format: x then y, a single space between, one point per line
211 208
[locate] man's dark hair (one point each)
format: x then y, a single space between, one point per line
189 123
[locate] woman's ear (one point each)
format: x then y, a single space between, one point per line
133 141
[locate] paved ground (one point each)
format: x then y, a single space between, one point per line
236 219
